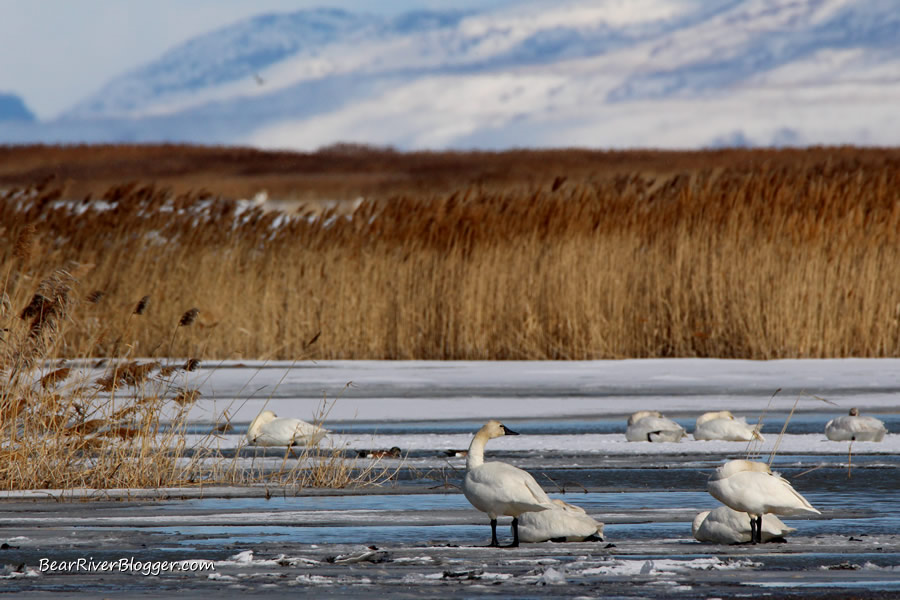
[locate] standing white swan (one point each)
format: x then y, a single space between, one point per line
563 523
497 488
651 426
751 487
722 425
267 429
855 428
727 526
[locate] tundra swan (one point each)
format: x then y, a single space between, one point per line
728 526
855 428
267 429
651 426
723 425
751 487
498 488
563 523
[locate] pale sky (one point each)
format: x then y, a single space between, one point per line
53 53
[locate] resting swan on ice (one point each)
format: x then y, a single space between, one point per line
855 428
751 487
267 429
728 526
651 426
498 488
722 425
563 523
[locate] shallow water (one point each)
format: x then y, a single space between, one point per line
429 539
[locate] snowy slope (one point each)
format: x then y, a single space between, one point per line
609 73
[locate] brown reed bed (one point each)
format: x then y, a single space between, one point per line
346 171
64 427
760 255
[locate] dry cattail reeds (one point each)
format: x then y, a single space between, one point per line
186 396
25 243
188 317
54 377
560 255
141 306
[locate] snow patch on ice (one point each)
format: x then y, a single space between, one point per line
308 579
667 565
553 576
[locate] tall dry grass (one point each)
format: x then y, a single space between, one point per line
783 255
65 426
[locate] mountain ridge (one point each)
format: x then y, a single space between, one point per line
644 73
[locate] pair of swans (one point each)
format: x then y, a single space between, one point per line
652 426
751 487
498 488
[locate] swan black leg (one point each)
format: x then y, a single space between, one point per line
515 528
759 529
752 529
494 542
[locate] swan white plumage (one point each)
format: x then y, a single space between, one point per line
751 487
652 426
853 427
268 429
497 488
728 526
563 523
722 425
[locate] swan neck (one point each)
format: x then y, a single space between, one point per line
475 457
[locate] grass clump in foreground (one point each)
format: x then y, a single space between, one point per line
62 427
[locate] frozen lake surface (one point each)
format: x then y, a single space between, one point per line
417 535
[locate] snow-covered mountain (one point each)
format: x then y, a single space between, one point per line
12 108
605 73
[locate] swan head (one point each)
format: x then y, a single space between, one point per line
738 466
266 416
854 412
712 416
641 414
698 521
494 429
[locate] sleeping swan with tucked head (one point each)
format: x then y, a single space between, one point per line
267 429
722 425
563 523
498 488
728 526
652 426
